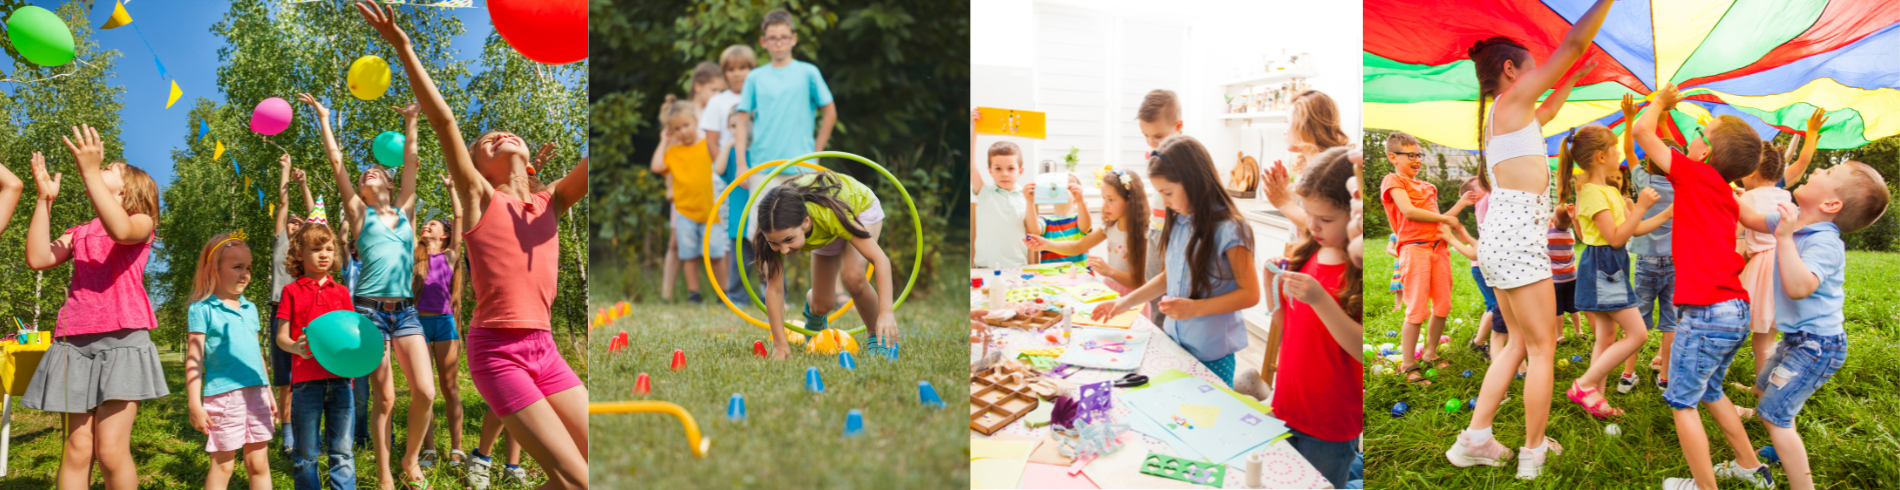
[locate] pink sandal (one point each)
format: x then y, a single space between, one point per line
1600 409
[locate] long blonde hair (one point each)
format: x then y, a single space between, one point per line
205 280
1315 118
141 193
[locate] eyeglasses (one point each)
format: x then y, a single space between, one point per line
1414 156
778 39
1700 136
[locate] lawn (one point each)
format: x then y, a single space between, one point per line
1848 426
791 438
170 454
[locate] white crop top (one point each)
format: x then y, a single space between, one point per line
1528 141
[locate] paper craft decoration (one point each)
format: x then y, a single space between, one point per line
1042 320
1165 466
203 128
119 17
1124 320
173 99
996 401
1118 349
998 463
1052 188
40 36
1039 475
1087 441
1092 292
1032 293
1219 428
1094 401
1010 122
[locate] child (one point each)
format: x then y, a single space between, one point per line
1159 118
1491 327
480 464
1398 283
1655 278
780 98
707 83
684 158
318 396
1604 293
838 220
1125 212
1513 248
106 310
232 405
1714 306
1563 269
735 63
1208 275
999 205
438 290
1808 295
514 260
385 242
1069 224
287 225
1318 393
1312 127
1763 192
1411 205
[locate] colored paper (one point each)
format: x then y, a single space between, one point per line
1203 416
1125 320
1174 374
1092 292
203 129
998 463
1135 347
1038 475
1240 428
175 95
1010 122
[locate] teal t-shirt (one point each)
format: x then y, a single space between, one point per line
232 357
784 104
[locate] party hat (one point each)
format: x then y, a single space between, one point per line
319 215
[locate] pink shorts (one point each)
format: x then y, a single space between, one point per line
515 367
238 417
866 218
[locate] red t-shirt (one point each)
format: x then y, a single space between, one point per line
303 301
1422 194
1705 224
1318 388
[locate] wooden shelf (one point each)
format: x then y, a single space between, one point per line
1255 115
1275 77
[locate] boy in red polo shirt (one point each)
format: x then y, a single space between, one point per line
315 390
1713 305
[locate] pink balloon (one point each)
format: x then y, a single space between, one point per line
271 117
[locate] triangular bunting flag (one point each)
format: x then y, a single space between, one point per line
219 153
203 128
247 182
175 94
235 168
161 66
273 209
260 198
119 17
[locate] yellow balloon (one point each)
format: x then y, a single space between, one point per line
369 77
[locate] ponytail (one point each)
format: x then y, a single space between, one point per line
783 207
1488 58
1565 165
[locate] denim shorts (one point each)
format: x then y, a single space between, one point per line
438 328
1603 279
1655 290
1704 347
394 324
1803 362
688 234
1490 301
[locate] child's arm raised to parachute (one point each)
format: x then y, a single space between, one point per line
42 252
406 195
1645 128
90 152
1794 172
1532 83
1555 102
468 182
283 195
346 190
1629 131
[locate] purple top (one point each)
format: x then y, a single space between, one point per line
107 291
435 286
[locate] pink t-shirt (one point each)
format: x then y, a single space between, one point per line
107 290
514 256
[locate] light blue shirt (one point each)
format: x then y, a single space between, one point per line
784 104
1656 243
1824 253
1208 337
232 358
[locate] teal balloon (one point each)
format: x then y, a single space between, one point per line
388 149
41 36
345 343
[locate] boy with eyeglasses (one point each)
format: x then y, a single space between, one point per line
779 100
1411 206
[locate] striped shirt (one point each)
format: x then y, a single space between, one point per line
1063 229
1562 247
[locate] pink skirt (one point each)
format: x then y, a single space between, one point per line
1758 277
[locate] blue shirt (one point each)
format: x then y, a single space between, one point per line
1656 243
232 358
735 202
1208 337
1824 253
784 104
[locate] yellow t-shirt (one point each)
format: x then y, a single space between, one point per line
690 168
1592 199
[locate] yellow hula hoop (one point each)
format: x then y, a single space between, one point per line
699 444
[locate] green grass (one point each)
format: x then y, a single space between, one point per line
1848 426
170 454
791 438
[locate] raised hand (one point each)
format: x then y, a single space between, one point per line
86 146
447 182
296 175
409 111
1629 109
1647 198
381 18
1667 97
542 156
1815 121
284 161
48 186
323 113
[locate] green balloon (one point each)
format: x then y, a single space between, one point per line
345 343
41 36
388 149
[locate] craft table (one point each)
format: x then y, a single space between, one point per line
1283 468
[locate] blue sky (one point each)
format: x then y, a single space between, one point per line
180 31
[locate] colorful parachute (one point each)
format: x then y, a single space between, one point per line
1772 62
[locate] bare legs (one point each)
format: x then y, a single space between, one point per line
256 468
1609 351
448 360
554 431
412 353
104 435
1531 311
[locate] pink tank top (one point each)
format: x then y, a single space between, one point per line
514 256
107 290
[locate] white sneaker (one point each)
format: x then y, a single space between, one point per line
1679 484
1466 453
477 472
516 475
1530 464
1761 476
1627 383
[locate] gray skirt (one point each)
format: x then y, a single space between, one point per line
81 371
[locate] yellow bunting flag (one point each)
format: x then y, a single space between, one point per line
273 209
247 182
219 152
175 94
119 17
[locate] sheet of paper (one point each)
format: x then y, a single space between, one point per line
1200 415
1174 374
1038 475
1236 429
998 463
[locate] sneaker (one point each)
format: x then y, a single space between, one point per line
1530 464
427 459
1761 476
1679 484
1467 453
695 298
1626 383
477 472
1662 383
516 475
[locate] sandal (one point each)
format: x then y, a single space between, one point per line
1414 376
1481 349
1655 363
426 459
1600 409
1437 362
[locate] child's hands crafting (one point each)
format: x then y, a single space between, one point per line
1303 288
48 186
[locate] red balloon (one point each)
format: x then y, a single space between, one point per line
548 31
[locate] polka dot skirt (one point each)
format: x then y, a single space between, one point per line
1513 249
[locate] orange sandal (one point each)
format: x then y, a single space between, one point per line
1600 409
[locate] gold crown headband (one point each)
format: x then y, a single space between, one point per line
235 235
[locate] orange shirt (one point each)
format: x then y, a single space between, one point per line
1423 196
514 256
690 167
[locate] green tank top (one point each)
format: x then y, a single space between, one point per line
389 257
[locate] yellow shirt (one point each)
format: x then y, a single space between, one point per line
1592 199
690 168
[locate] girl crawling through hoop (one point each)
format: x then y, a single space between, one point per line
838 220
